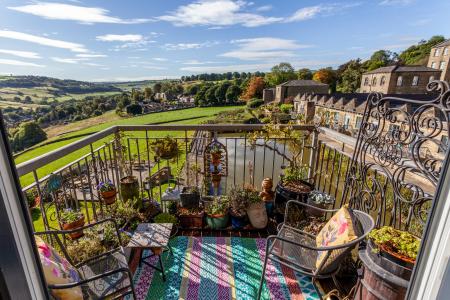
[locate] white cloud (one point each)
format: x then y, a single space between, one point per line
24 54
228 68
306 13
216 13
13 62
160 59
154 68
197 62
42 41
90 55
139 78
68 60
81 14
396 2
187 46
264 48
264 8
120 38
93 64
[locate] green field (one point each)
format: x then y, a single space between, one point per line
164 117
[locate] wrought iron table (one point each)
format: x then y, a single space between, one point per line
154 237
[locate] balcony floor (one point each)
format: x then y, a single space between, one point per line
219 268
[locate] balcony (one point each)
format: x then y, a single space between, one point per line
383 175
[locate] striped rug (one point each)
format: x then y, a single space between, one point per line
219 268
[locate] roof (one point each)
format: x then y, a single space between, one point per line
303 83
444 43
396 68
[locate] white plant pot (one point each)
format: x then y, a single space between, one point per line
257 215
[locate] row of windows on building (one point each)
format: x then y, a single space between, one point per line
414 82
437 51
441 65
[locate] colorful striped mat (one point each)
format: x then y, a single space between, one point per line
219 268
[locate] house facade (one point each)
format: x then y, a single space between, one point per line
440 59
286 92
398 79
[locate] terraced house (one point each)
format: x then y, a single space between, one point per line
440 59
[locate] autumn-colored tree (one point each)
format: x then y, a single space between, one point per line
254 89
328 76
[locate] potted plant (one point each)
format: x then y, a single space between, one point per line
320 200
72 219
108 192
256 208
216 154
166 148
191 218
217 213
190 197
396 245
388 262
238 208
291 186
129 188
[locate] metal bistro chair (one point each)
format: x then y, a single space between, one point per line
297 249
103 276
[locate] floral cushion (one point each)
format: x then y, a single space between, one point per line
342 228
58 270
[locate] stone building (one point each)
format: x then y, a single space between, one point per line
286 92
398 79
440 59
344 113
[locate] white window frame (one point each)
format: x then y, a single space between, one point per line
433 65
400 81
446 50
415 81
442 65
437 52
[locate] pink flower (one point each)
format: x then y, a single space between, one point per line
56 272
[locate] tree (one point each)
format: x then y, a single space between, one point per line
232 94
199 98
221 91
27 135
381 58
134 109
349 78
304 74
418 54
328 76
157 87
148 93
136 95
280 73
210 95
254 89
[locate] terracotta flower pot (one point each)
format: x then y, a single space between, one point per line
109 197
76 224
191 221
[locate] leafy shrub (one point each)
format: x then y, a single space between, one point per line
254 103
286 108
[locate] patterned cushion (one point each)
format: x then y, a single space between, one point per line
58 270
342 228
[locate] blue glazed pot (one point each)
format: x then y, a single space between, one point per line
269 208
238 222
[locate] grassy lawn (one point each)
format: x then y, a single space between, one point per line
168 117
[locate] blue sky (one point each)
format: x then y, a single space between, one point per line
148 39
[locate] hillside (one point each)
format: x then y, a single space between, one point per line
419 54
38 88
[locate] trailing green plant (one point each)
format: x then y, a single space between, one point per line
219 206
320 198
30 196
251 195
398 241
165 148
69 215
123 212
165 218
286 108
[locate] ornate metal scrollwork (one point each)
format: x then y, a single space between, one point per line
397 160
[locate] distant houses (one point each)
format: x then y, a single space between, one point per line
286 92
